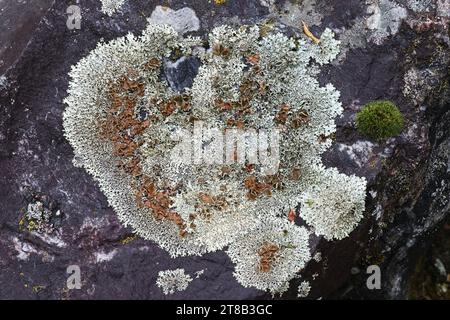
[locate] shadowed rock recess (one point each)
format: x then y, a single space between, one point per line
53 213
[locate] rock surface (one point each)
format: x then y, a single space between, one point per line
409 175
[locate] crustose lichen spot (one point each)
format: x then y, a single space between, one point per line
249 133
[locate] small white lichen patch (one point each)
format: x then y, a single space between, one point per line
417 84
171 281
267 3
441 267
199 273
291 243
386 17
443 8
23 249
353 37
94 223
328 48
303 289
53 239
101 256
182 20
293 13
421 5
3 82
109 7
378 212
359 152
317 257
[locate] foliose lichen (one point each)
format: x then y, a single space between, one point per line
125 124
269 256
110 7
303 289
171 281
327 206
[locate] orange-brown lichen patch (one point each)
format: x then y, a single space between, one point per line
126 147
262 88
132 86
253 59
167 108
296 174
301 118
282 115
291 215
249 89
256 188
206 198
121 122
123 129
225 172
267 256
183 102
159 202
132 167
223 106
217 202
153 64
240 124
220 50
249 167
180 102
275 181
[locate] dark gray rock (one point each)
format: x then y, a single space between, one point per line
18 20
181 73
408 175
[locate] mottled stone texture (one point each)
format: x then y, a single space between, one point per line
409 175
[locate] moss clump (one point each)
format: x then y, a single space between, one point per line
380 120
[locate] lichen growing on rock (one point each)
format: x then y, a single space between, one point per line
41 216
329 209
171 281
303 289
269 256
182 20
136 136
385 20
379 120
38 218
110 7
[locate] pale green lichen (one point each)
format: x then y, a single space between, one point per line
171 281
303 289
216 208
327 205
291 255
110 7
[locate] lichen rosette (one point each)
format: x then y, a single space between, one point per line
126 126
